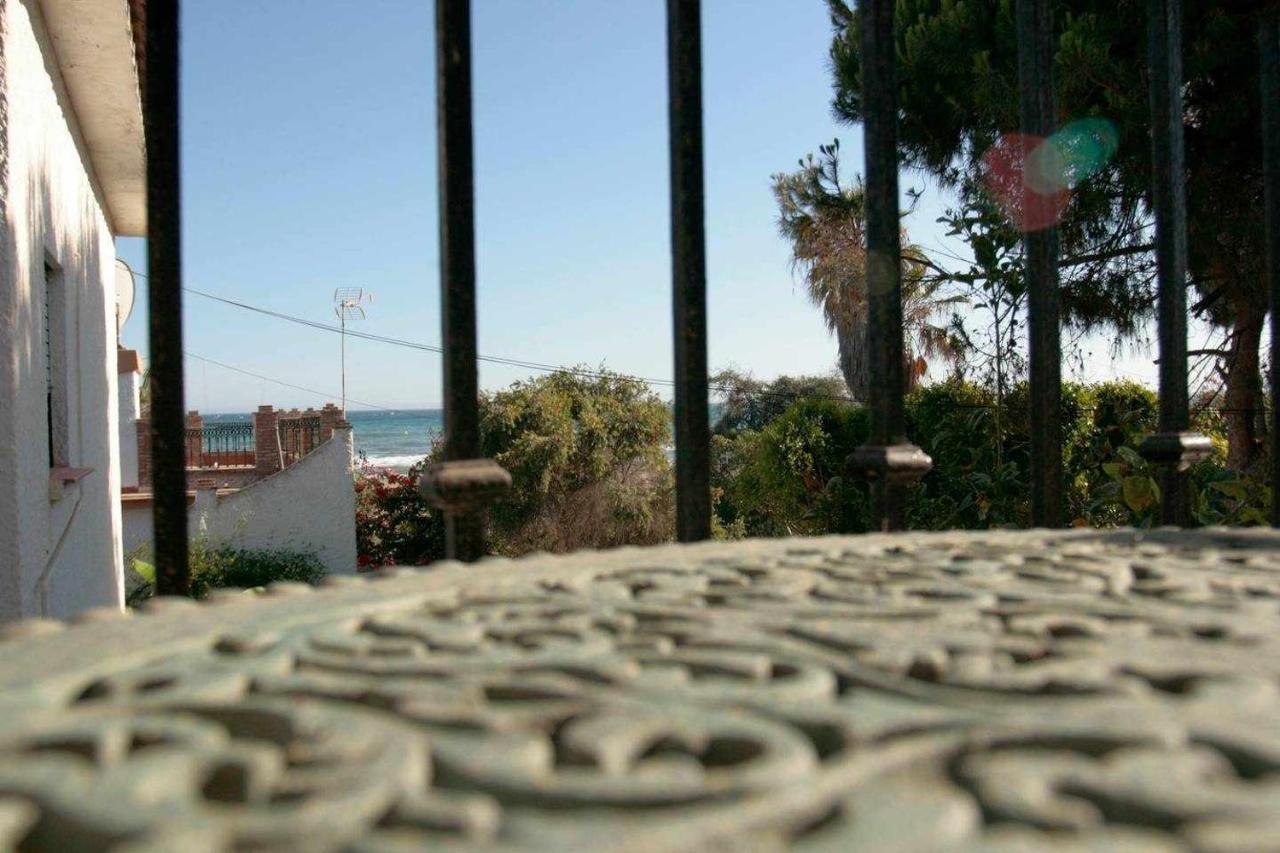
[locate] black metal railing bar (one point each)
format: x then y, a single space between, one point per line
888 457
1173 446
1044 346
688 271
1269 72
164 297
464 533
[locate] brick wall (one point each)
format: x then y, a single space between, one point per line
266 439
144 453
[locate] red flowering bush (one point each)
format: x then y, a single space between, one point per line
394 523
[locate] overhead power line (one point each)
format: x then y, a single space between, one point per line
232 367
539 366
509 362
577 371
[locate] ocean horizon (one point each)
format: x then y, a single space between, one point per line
384 439
394 439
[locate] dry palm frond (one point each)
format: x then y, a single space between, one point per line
825 223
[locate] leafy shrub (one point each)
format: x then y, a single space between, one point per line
1133 493
750 404
221 567
585 451
586 455
633 504
789 478
978 457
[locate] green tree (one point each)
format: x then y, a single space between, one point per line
752 404
586 453
789 478
958 95
585 450
824 219
996 292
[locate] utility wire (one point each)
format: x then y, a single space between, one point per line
281 382
576 371
543 367
510 362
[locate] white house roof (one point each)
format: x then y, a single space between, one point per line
94 43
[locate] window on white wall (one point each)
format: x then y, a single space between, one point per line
55 365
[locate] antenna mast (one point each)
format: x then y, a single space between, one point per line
346 304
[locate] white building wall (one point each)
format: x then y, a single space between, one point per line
309 506
128 388
56 556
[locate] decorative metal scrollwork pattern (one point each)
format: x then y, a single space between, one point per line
969 692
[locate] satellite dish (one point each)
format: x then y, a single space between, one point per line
125 292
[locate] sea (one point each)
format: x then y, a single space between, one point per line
383 439
393 439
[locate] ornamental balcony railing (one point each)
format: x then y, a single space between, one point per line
463 484
229 445
299 435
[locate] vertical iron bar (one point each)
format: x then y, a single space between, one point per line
689 271
1035 84
1164 63
464 533
1269 68
884 248
164 298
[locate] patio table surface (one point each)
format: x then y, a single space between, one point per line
994 691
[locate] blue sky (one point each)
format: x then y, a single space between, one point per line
309 164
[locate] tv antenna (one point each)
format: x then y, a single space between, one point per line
346 304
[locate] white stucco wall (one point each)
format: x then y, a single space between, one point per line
128 387
309 506
56 556
138 530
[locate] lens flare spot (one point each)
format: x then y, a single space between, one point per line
1031 177
1084 148
1005 172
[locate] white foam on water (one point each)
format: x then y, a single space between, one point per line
395 461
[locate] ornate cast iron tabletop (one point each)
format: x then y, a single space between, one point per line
996 691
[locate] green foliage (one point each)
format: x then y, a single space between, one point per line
586 449
751 404
958 94
1222 496
989 337
587 456
975 480
789 477
223 566
217 568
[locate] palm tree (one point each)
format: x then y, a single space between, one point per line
825 222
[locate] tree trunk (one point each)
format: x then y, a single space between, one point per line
855 362
1243 405
852 344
